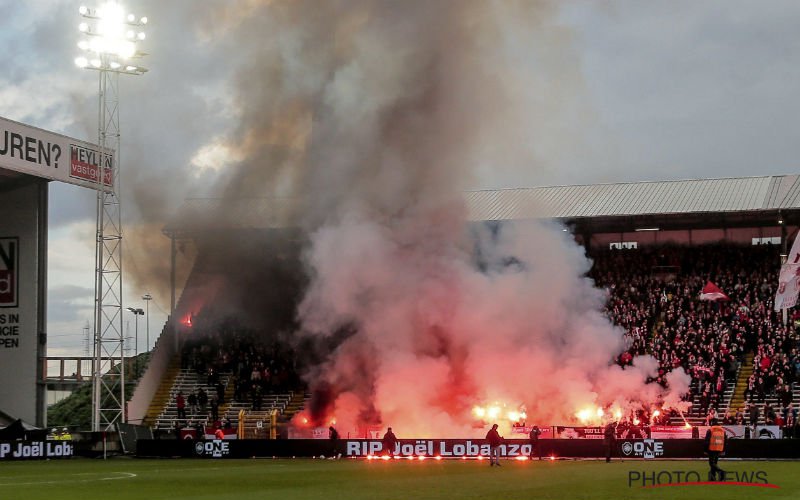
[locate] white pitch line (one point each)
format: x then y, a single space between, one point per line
186 469
126 475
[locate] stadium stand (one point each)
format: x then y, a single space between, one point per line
653 288
654 295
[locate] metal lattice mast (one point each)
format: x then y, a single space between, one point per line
108 396
110 44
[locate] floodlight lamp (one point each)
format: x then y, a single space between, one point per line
81 62
143 20
97 44
83 45
114 65
130 68
95 62
83 10
131 18
141 35
126 50
83 28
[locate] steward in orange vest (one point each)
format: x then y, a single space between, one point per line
715 446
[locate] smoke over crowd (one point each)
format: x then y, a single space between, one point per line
370 118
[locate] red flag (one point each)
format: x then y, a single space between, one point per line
713 292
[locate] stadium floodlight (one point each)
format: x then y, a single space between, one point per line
113 36
137 311
109 49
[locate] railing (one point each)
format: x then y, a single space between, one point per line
70 369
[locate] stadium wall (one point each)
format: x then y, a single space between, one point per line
162 354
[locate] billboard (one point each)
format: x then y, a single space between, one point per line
35 450
37 152
9 264
21 336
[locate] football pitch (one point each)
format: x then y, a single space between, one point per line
126 478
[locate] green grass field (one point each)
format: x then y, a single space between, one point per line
123 478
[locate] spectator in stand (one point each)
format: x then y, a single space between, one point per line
214 408
180 402
176 428
754 415
769 414
202 400
220 393
789 425
219 434
192 400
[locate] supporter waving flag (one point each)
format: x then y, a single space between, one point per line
788 279
712 292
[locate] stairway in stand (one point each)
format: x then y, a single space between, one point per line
162 395
297 403
737 401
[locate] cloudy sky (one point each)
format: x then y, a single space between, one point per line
625 91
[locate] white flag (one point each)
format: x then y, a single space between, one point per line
789 280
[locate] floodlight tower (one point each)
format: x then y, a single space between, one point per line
110 37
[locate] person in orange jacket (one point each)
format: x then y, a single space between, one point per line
218 434
715 446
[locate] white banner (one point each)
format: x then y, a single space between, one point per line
788 280
34 151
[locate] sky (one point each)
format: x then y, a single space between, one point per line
625 91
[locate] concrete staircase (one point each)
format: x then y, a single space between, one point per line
188 381
163 394
737 400
297 403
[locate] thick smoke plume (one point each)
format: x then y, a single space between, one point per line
430 315
364 121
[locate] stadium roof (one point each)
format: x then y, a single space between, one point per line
637 198
687 203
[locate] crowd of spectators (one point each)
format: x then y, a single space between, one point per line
654 295
259 364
